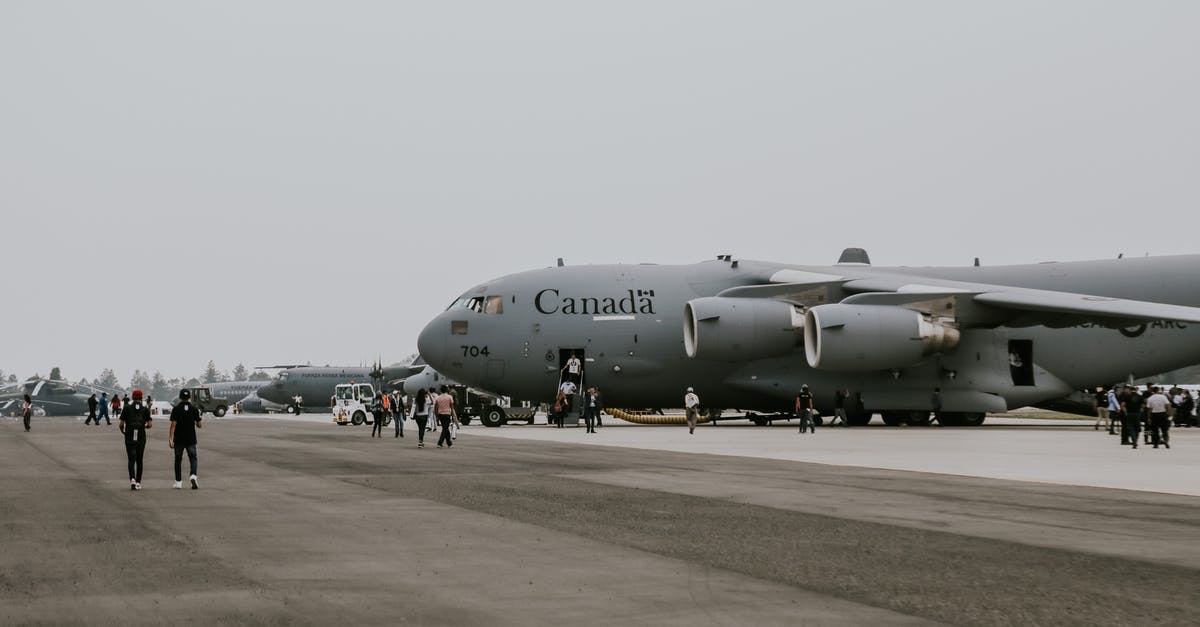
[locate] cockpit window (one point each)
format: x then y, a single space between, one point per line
492 305
283 375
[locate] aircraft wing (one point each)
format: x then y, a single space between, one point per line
1099 308
968 303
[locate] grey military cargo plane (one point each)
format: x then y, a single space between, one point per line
748 334
315 384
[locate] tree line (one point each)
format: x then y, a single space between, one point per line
155 384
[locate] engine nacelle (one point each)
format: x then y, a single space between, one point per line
871 337
730 329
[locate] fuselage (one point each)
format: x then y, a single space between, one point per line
510 334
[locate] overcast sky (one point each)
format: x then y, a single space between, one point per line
280 182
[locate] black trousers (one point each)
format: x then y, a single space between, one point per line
1160 427
377 427
191 453
91 417
444 421
135 450
26 418
589 418
422 422
1131 426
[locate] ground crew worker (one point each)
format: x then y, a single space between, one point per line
92 404
27 410
185 419
804 407
135 420
839 407
444 407
691 404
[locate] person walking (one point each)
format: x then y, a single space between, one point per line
432 396
573 371
1131 416
420 414
691 404
134 421
1101 402
379 411
599 407
92 405
804 407
398 410
589 410
560 408
103 405
839 407
185 419
1160 422
27 411
446 411
116 407
1114 408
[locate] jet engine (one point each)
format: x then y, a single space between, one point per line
872 337
728 329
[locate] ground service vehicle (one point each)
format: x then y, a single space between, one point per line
207 403
352 404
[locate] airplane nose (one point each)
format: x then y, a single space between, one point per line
431 343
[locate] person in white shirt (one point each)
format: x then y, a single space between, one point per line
568 389
691 403
1160 423
573 369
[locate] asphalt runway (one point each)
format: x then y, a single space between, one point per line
302 522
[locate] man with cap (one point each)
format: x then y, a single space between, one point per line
133 422
804 407
185 419
691 403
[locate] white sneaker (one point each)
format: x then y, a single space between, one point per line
137 486
133 484
195 484
178 485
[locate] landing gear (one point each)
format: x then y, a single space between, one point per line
292 409
893 418
919 418
961 419
860 418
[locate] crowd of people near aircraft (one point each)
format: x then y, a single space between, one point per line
1149 412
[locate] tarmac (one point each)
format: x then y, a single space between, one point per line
299 521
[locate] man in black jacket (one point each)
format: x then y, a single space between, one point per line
135 419
93 404
185 419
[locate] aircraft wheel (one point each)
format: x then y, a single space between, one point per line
466 420
492 417
358 418
220 411
919 418
291 409
859 419
759 420
818 420
892 418
973 419
950 419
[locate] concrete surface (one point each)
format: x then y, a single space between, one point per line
302 522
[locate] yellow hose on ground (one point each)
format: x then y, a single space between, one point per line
643 418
